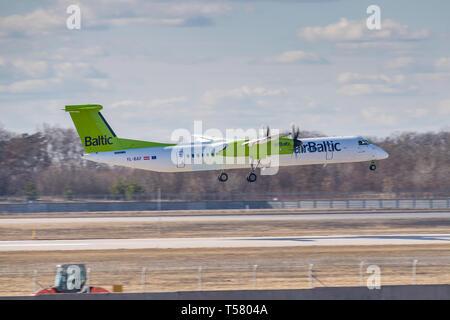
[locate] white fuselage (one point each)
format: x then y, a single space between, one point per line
202 156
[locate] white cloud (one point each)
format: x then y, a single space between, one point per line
37 22
295 56
141 110
343 30
92 51
30 68
377 115
74 70
356 30
152 103
431 76
173 13
25 68
162 88
399 63
443 63
82 54
356 84
349 77
444 107
112 14
98 83
387 45
138 21
125 104
34 85
359 89
28 75
212 97
418 112
167 101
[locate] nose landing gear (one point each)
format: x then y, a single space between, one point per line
372 166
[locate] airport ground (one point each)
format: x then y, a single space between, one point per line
232 223
172 269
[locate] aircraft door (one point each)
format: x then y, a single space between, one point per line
180 159
328 150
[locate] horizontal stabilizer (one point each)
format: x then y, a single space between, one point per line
84 107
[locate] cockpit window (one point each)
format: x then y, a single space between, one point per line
363 142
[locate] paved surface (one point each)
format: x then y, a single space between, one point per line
108 244
405 292
217 242
232 217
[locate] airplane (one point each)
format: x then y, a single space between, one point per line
267 152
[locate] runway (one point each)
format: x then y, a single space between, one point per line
229 217
237 242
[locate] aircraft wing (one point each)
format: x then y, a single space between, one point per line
203 138
266 139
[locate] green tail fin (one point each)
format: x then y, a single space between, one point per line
96 134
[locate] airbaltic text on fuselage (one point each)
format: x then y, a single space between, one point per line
97 141
325 146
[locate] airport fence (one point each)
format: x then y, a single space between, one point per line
371 273
160 195
311 204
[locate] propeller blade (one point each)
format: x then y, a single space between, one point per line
295 136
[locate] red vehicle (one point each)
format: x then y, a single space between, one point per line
70 278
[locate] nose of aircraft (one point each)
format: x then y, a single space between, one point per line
382 154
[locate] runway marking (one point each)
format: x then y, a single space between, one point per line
43 244
168 243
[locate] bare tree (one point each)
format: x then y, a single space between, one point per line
51 158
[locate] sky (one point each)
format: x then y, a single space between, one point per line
158 66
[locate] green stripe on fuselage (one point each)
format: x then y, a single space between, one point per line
258 151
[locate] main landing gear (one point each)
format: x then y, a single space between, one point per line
250 178
223 177
372 166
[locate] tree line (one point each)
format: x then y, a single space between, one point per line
49 162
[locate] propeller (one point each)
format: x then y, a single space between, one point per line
295 136
267 131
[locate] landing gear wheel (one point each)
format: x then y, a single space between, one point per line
251 177
372 167
223 177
